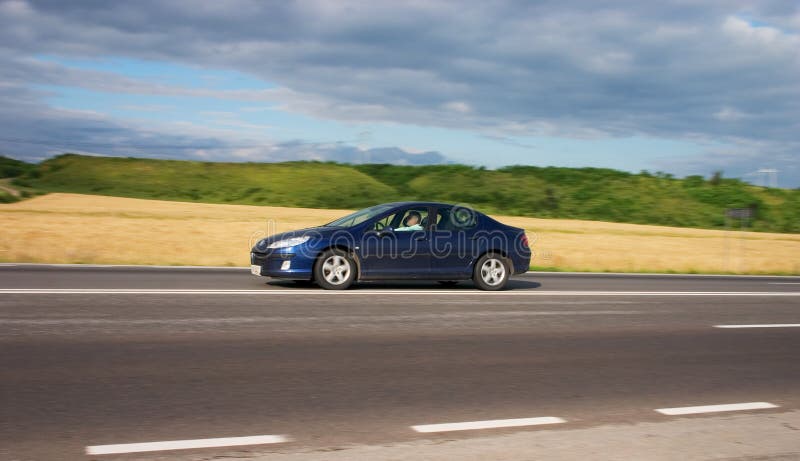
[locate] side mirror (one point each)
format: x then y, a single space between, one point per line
388 230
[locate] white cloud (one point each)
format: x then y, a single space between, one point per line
767 38
612 62
729 114
147 107
15 8
458 106
566 68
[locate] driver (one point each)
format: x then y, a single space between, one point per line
412 222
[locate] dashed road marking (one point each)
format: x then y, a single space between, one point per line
185 444
489 424
716 408
762 325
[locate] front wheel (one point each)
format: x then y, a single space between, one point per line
335 270
491 272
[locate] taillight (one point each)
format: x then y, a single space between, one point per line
524 239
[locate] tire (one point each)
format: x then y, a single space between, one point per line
491 272
335 270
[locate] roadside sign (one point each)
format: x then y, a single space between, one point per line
739 213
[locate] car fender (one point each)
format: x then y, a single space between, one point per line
349 251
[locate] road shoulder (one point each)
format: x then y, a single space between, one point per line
773 436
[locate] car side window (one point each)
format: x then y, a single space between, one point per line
413 219
384 222
456 218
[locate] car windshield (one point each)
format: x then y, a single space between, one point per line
359 216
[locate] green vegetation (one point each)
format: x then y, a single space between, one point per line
6 197
11 172
301 184
10 168
597 194
578 193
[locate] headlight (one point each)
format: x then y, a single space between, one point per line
294 241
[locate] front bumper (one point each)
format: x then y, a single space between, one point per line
281 264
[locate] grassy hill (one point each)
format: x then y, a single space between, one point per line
288 184
579 193
11 168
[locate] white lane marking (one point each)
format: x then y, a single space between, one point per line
783 283
570 302
490 424
185 444
133 266
372 292
532 273
762 325
656 274
716 408
338 318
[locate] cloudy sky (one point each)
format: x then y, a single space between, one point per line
685 87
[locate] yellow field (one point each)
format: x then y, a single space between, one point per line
71 228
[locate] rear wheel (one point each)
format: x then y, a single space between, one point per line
491 272
335 270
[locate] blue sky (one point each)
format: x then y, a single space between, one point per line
674 87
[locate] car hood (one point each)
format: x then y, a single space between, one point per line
314 232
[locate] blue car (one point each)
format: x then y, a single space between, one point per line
398 241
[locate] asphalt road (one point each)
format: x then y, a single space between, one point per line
93 356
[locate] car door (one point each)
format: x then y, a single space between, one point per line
390 251
452 243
